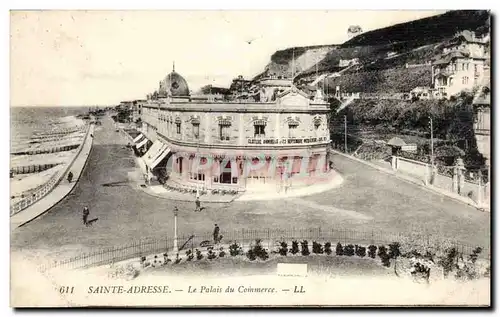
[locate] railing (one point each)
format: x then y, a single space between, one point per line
49 186
270 238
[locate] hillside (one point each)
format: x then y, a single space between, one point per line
379 56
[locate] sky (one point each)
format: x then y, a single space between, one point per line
77 58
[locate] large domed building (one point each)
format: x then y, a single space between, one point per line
173 85
238 145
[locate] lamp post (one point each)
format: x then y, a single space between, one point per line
176 249
432 148
345 134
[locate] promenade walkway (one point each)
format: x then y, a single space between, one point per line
60 191
414 180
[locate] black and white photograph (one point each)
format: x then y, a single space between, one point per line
320 158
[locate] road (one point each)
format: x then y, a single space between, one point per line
368 200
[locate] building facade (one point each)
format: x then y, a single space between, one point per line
235 144
461 66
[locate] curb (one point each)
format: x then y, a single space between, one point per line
75 182
406 179
185 199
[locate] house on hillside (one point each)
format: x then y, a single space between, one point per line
348 62
460 67
421 93
466 40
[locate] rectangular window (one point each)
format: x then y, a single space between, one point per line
178 128
224 132
196 130
259 130
216 179
292 130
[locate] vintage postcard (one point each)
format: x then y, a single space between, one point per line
250 158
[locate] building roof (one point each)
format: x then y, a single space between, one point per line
174 85
483 100
468 36
448 57
395 141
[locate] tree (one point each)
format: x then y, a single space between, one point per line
394 253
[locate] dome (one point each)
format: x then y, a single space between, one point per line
174 85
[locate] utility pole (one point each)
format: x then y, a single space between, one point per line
345 133
176 249
432 143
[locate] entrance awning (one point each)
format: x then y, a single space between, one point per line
142 143
163 154
137 138
152 152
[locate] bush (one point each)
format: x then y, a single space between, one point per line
235 249
349 250
317 248
339 250
259 251
251 255
372 251
177 259
189 255
199 256
222 253
360 251
283 248
305 248
384 257
328 248
295 247
211 254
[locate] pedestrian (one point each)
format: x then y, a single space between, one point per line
86 213
70 177
216 234
198 204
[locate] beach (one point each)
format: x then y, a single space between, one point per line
44 140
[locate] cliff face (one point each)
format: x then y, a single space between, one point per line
377 60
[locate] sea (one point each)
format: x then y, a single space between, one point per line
26 121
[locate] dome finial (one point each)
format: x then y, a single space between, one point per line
173 66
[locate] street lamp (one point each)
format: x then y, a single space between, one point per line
176 249
432 147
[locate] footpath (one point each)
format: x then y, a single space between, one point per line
61 190
416 181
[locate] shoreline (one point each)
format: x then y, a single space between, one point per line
34 161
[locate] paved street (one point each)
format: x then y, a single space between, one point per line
368 200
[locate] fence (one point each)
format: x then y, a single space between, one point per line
32 168
245 238
53 181
48 150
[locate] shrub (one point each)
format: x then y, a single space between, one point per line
283 248
448 260
384 257
349 250
189 255
222 253
259 251
317 248
305 248
177 259
251 255
295 247
234 249
360 251
211 254
199 256
328 248
372 251
339 250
